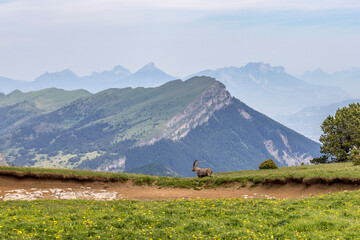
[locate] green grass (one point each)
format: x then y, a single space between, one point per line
334 216
342 170
326 171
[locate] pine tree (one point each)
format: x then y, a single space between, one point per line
341 133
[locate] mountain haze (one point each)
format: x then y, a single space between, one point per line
268 89
346 79
271 90
147 76
8 85
171 125
309 120
118 77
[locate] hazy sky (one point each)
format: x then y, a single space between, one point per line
180 36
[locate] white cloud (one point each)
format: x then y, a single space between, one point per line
131 12
251 4
97 6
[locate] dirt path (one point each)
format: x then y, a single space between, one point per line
31 189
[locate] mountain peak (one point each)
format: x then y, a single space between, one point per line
319 70
65 72
15 92
317 73
120 70
263 67
149 67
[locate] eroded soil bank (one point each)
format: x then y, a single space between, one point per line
12 188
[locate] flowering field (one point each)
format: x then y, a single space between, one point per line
325 217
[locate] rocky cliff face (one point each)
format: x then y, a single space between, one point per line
3 160
284 154
195 114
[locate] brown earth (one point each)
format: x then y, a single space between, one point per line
40 188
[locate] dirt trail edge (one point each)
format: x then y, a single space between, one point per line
14 188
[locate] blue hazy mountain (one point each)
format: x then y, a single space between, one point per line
107 79
118 77
65 79
8 85
147 76
309 120
271 90
349 79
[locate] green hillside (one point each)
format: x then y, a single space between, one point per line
46 99
18 107
124 129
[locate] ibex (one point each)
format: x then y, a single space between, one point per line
201 172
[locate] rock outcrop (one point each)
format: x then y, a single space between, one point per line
3 160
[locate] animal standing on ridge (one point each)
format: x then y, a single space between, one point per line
201 172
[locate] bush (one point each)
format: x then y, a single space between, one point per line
355 156
268 164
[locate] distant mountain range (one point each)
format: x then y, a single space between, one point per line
349 79
268 89
134 130
309 120
118 77
271 90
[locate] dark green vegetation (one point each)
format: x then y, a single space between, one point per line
127 129
268 164
341 133
355 156
326 217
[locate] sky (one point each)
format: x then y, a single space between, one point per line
181 36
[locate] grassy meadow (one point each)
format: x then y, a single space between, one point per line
334 216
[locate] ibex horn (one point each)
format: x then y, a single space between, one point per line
198 163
